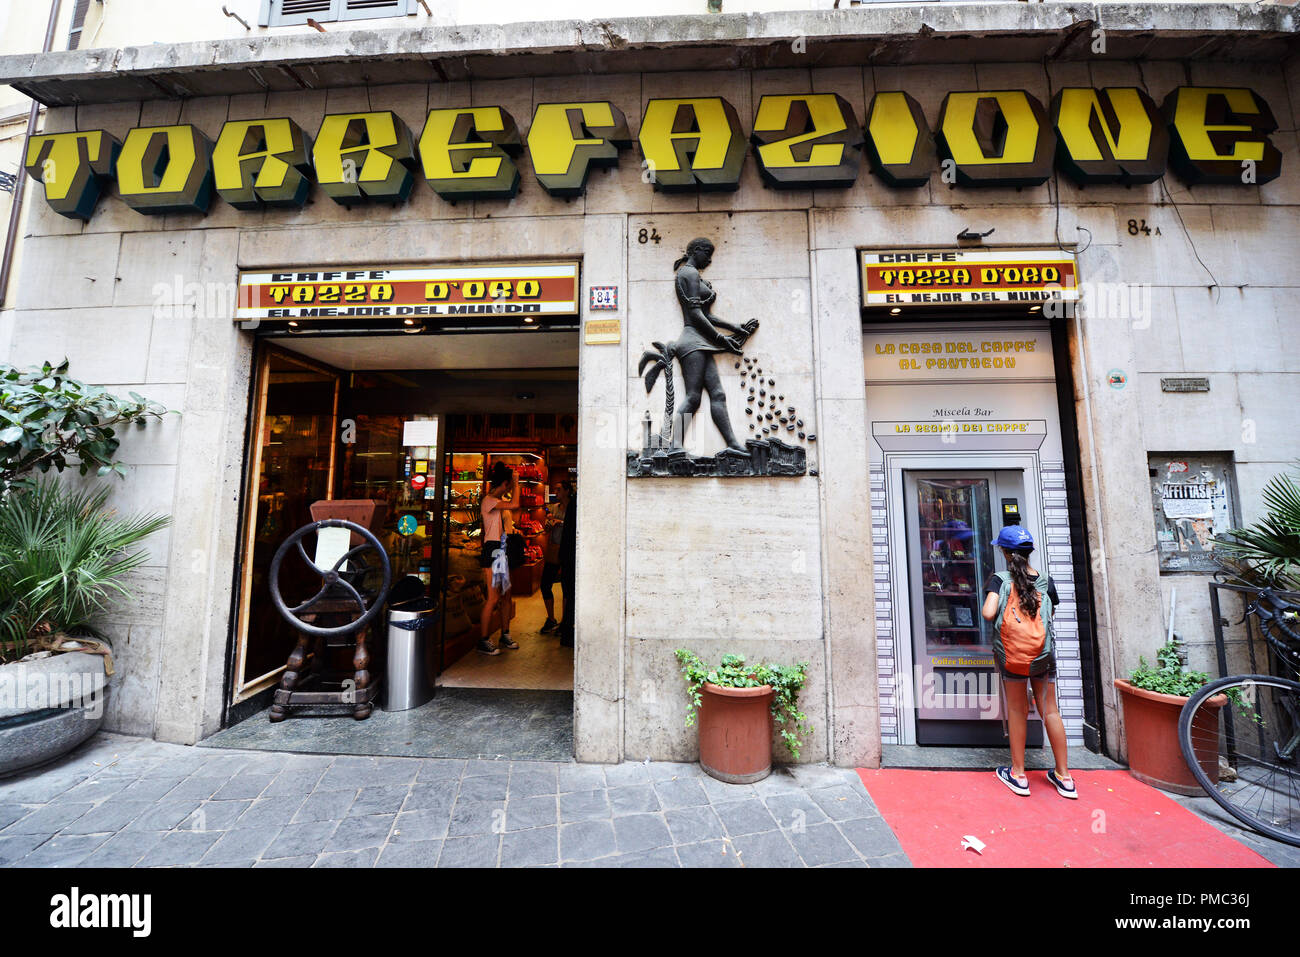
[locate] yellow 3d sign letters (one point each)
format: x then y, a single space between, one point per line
693 143
799 140
467 153
1220 135
165 169
899 142
998 138
262 162
1112 135
567 140
364 156
74 168
806 140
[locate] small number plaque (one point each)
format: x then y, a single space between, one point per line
604 298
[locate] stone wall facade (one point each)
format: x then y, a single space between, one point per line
771 567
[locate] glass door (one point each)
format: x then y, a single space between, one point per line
951 520
292 460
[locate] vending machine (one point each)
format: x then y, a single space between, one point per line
951 520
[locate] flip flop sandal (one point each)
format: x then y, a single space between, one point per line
1005 776
1063 789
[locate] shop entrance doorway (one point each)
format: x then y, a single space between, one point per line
414 424
540 450
966 434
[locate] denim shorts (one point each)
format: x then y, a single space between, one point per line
1049 675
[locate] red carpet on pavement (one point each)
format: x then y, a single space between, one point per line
1117 821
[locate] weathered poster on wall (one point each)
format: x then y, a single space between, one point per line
1192 502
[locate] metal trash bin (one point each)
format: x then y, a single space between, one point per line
407 684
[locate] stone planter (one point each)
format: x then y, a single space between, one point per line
49 706
1151 729
736 733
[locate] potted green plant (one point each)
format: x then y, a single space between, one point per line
736 706
1153 700
64 556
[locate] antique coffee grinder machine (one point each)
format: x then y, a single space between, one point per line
355 576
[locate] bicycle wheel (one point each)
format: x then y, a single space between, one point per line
1240 736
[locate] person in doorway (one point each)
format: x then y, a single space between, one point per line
568 573
1020 601
497 521
551 568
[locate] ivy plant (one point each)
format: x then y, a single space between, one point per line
50 420
732 672
1169 676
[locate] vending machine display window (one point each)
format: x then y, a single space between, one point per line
956 558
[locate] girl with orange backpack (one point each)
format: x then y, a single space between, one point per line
1019 602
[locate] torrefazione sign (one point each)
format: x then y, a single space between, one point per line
799 140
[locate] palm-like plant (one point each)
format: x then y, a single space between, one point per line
660 360
1267 554
63 555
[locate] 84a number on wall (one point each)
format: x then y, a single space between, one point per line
1139 227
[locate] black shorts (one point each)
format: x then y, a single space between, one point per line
485 556
1049 675
550 574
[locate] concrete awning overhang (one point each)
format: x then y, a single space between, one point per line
876 34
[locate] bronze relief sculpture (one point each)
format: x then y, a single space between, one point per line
703 337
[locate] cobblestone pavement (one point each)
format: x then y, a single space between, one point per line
131 802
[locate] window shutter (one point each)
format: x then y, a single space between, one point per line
290 13
78 21
374 9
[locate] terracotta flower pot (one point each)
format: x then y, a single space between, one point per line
1151 727
736 733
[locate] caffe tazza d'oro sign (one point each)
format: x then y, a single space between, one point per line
944 277
462 292
799 140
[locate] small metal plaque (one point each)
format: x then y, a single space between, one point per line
1185 384
603 332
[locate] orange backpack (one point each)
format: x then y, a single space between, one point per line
1023 645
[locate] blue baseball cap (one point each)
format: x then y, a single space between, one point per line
1016 538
